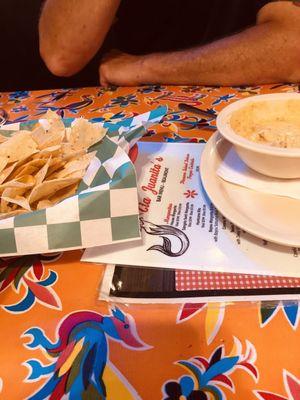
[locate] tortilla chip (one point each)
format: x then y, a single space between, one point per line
78 164
53 119
18 147
37 162
52 126
52 150
44 204
58 165
69 154
45 139
26 167
45 189
3 163
68 133
84 134
27 180
19 201
41 175
6 173
24 161
14 191
14 184
42 155
77 174
64 193
3 138
26 170
4 208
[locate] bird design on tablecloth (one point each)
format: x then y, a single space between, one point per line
80 354
54 96
73 108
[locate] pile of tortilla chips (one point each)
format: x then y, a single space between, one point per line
39 168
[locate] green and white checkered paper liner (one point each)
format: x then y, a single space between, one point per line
105 208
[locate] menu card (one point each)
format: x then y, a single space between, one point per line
182 229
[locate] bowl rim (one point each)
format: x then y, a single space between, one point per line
223 126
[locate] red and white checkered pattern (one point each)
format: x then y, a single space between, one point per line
204 280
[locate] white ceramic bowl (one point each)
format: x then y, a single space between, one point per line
268 160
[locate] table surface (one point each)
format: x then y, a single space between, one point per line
57 339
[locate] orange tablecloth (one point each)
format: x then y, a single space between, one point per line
58 340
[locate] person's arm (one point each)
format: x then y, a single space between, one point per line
266 53
72 31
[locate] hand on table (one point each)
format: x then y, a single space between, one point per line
121 69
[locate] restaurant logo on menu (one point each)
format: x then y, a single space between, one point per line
151 187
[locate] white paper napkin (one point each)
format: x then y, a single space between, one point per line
234 170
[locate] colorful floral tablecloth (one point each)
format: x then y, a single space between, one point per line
58 341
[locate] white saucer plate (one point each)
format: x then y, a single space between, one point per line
273 218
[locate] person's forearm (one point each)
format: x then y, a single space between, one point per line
261 54
72 31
